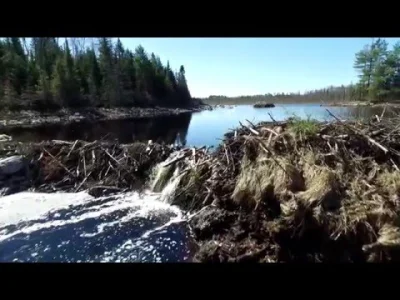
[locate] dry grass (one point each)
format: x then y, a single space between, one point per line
330 186
266 178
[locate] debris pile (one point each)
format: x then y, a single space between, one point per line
295 191
76 166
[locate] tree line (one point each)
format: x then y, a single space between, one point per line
46 74
329 95
379 71
378 67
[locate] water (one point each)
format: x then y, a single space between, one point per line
197 129
78 228
129 227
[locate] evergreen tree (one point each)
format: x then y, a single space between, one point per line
106 74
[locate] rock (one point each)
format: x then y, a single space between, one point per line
12 189
12 164
209 221
100 191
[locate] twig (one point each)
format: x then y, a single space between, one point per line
267 150
251 129
226 154
394 164
83 181
72 148
84 164
109 155
194 155
175 160
269 139
384 149
383 112
58 162
270 130
59 142
93 157
251 123
108 169
273 120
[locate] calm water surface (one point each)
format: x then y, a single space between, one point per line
197 129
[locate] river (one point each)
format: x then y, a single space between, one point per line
130 227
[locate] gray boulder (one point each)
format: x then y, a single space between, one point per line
12 165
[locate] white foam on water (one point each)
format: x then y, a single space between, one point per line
33 206
27 206
27 213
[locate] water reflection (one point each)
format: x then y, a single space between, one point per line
169 130
365 112
198 129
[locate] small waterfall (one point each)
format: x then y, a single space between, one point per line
127 227
169 191
167 178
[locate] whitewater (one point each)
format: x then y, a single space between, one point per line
76 227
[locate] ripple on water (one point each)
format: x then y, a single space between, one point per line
80 228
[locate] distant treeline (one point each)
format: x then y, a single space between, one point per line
46 74
379 80
328 95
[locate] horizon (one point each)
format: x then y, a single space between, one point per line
235 67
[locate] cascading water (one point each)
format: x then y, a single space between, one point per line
75 227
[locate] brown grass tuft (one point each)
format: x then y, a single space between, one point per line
323 188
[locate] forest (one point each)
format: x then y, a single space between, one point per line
378 68
52 73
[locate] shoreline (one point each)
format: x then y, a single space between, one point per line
290 191
361 104
32 119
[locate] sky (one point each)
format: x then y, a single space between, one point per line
253 66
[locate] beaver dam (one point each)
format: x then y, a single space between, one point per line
289 191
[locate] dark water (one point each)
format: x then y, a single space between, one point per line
76 227
69 228
197 129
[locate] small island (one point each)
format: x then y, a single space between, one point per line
263 105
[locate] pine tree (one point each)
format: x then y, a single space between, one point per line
59 82
71 83
109 74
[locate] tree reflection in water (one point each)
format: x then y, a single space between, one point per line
170 130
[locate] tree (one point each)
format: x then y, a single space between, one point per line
106 73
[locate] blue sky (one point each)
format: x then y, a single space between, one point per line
249 66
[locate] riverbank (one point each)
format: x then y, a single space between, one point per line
31 118
362 103
287 191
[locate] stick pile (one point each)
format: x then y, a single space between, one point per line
299 191
79 165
